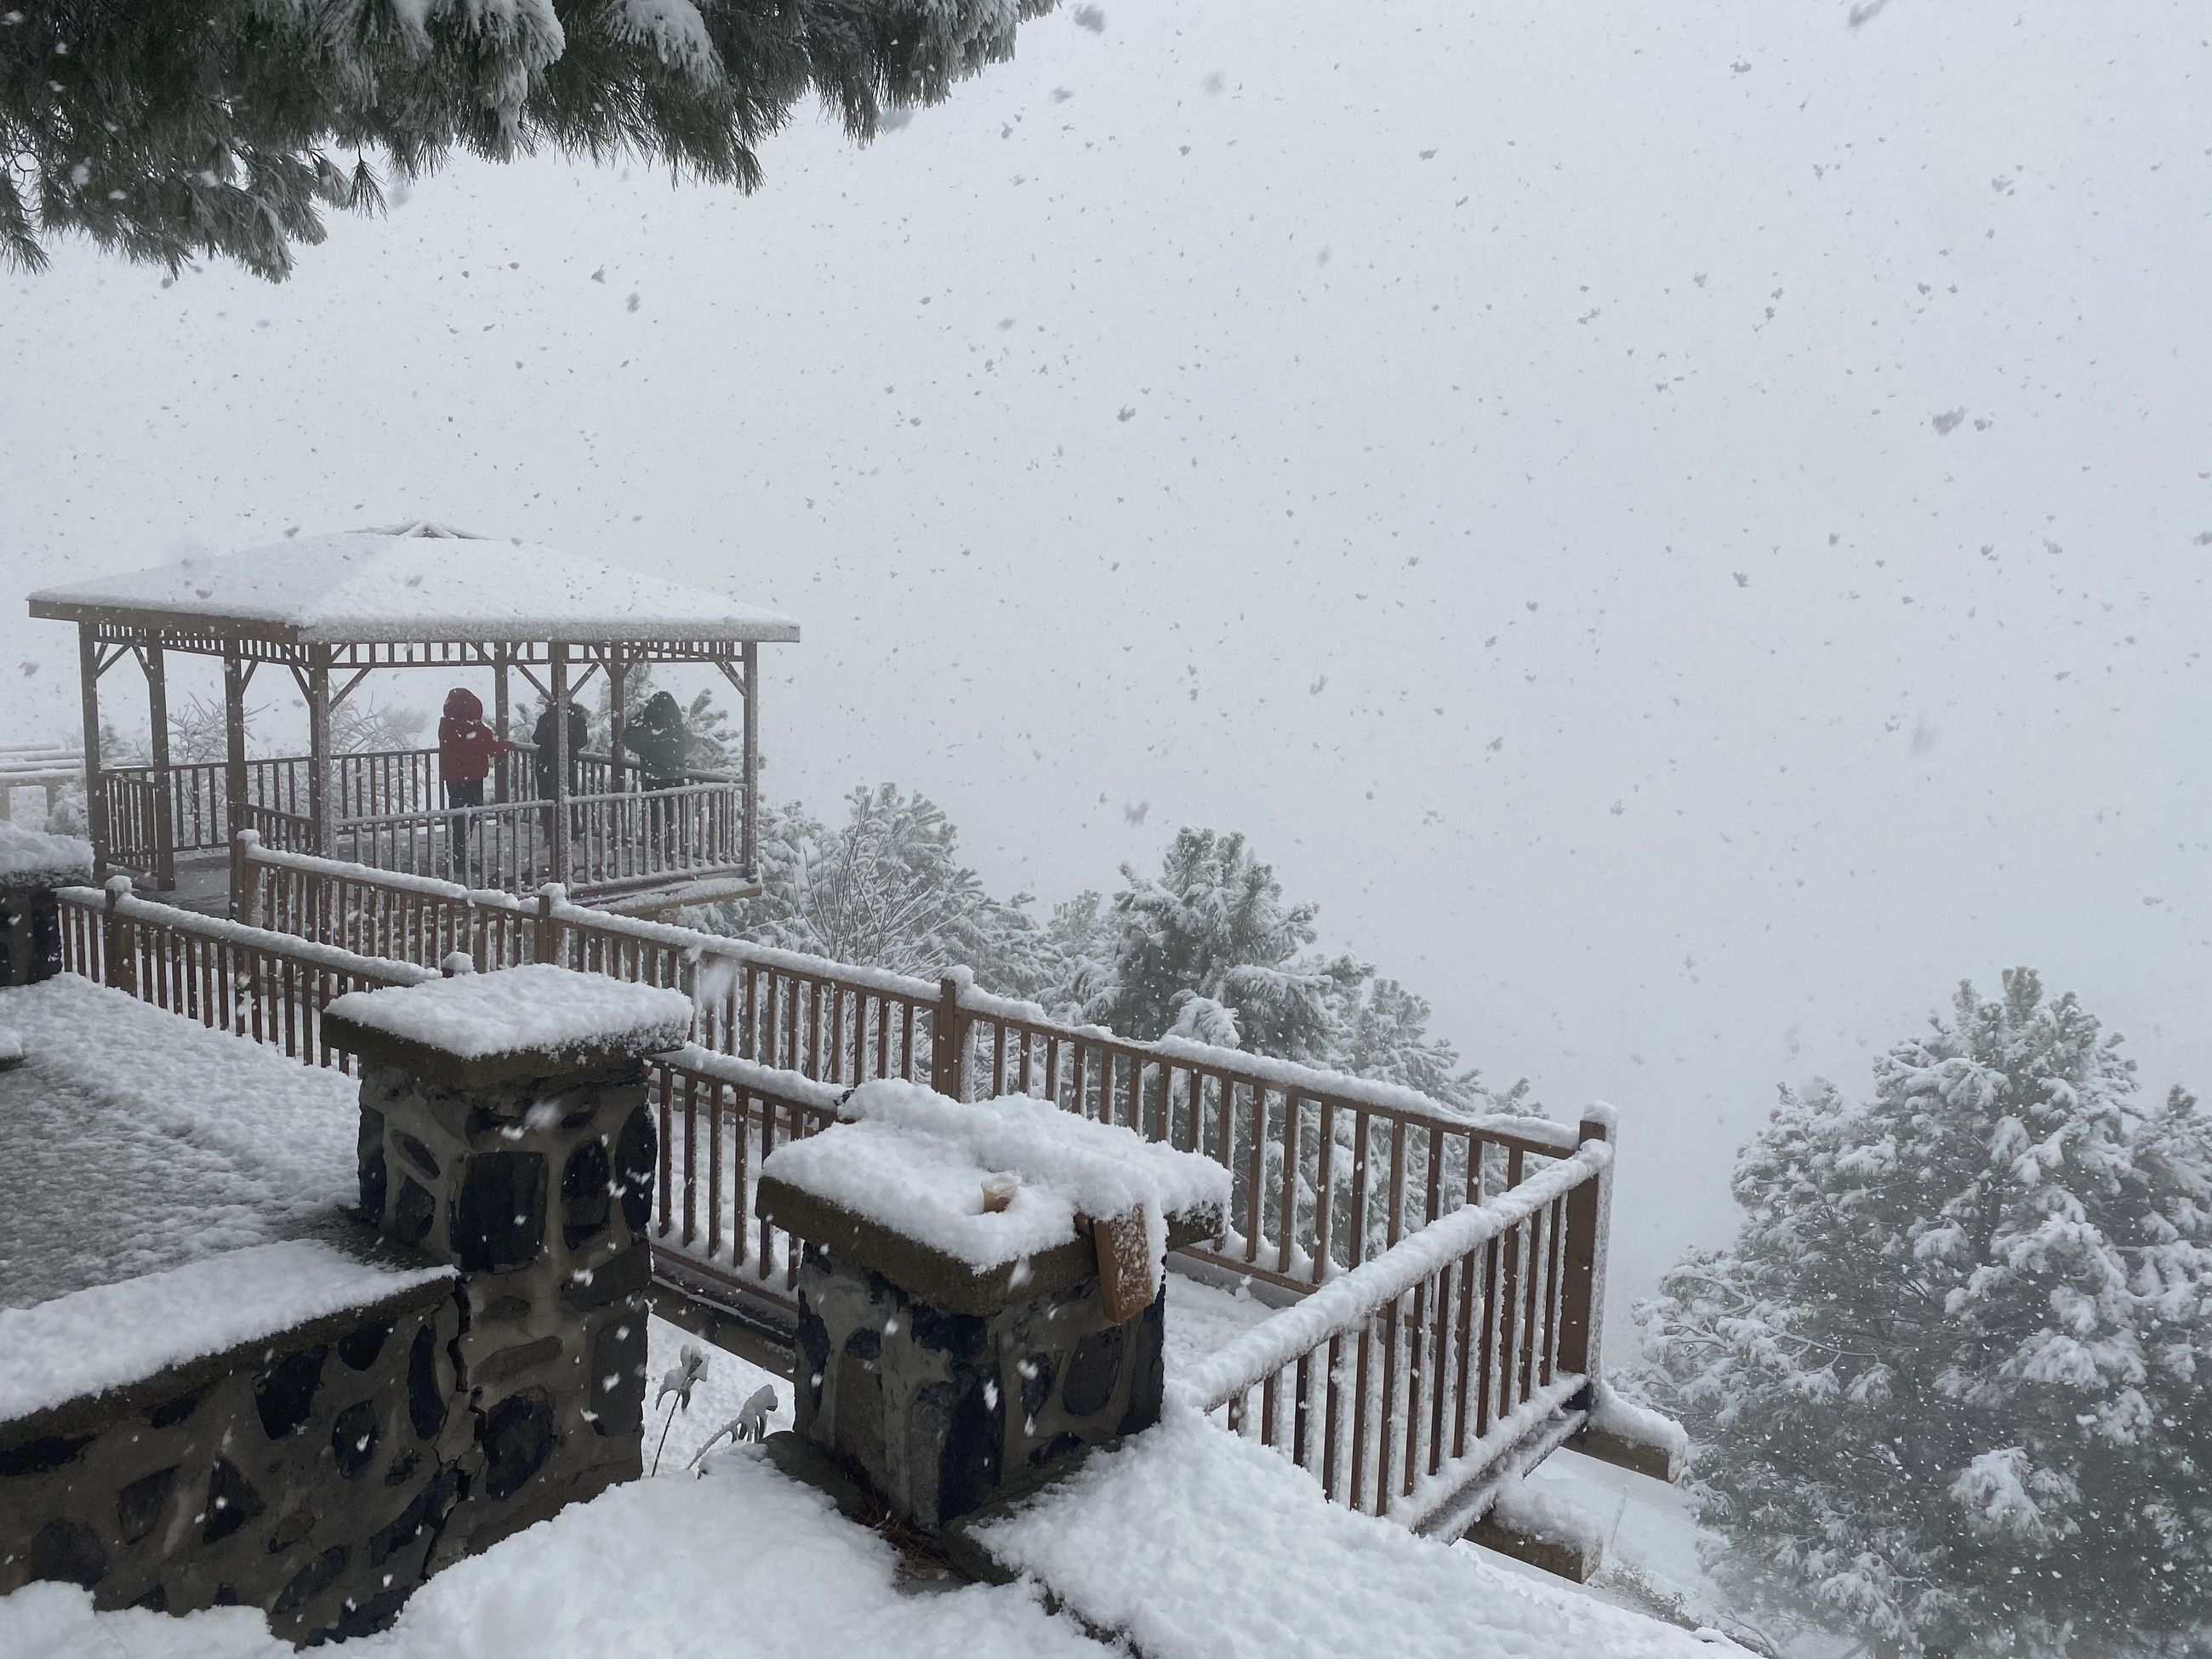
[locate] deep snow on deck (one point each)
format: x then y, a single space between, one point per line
132 1141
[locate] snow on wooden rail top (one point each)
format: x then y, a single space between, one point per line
109 1336
416 583
915 1163
535 1008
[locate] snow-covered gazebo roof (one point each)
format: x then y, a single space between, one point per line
415 583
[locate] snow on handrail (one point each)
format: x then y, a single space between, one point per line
291 946
1343 1303
1310 1080
755 1078
1538 1134
339 870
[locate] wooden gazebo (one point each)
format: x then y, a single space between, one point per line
329 610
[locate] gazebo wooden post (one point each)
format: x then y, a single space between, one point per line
322 800
95 789
165 797
748 844
559 666
233 742
501 706
618 719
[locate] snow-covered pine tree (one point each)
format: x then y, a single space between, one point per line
167 128
887 891
1215 925
1952 1386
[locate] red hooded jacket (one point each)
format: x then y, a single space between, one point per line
466 744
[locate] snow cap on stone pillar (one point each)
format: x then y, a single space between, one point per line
539 1021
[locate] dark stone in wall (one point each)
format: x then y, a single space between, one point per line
619 1374
1148 1373
421 1511
498 1220
517 1361
413 1212
417 1154
1036 1372
634 1157
1091 1372
963 1336
369 1161
319 1574
176 1409
426 1391
518 1437
360 1348
139 1505
297 1525
68 1552
44 1454
352 1437
969 1471
231 1501
626 1276
813 1350
284 1394
586 1202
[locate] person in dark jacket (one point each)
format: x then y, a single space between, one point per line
579 734
661 742
465 748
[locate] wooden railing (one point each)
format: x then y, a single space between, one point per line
138 829
230 977
1445 1363
616 841
1408 1382
1326 1170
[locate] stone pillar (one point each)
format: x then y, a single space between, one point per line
531 1172
32 866
943 1388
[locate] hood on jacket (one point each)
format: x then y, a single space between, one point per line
462 704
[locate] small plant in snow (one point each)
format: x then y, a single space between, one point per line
750 1424
678 1380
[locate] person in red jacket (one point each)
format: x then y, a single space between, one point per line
465 748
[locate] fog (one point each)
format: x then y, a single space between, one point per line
1502 459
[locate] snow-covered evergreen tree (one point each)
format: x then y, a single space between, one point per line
167 128
886 889
1215 925
1952 1386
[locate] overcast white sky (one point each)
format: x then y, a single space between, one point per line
1487 454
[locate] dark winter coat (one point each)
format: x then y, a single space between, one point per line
579 734
466 744
661 742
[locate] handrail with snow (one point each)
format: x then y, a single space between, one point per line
1349 1300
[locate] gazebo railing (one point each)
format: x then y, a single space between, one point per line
615 840
386 801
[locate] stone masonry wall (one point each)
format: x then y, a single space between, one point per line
942 1413
307 1475
540 1193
